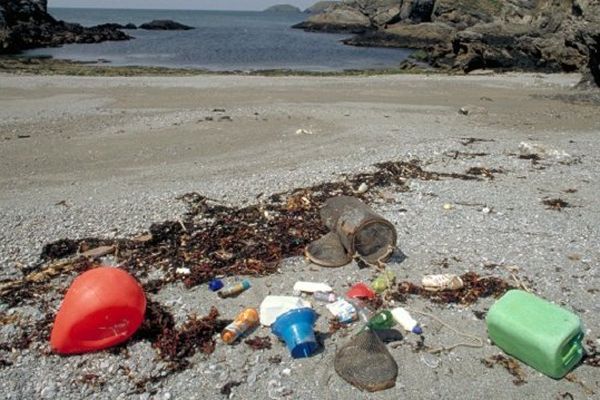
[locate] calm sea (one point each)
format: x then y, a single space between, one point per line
222 41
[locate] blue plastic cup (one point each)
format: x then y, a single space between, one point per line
296 329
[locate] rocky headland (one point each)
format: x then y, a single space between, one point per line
26 24
465 35
283 8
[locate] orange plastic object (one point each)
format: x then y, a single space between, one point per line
245 321
103 307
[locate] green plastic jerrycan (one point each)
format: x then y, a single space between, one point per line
537 332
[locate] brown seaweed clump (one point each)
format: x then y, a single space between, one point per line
510 364
175 345
555 204
474 288
259 342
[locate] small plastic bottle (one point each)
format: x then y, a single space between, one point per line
383 281
362 310
408 323
234 290
382 320
325 297
245 321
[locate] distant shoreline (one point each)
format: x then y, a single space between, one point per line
19 64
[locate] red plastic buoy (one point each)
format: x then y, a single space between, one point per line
103 307
360 291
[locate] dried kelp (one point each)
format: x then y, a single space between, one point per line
555 204
511 365
176 345
259 342
592 354
475 287
484 172
456 154
214 239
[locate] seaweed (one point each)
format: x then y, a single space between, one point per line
485 172
176 345
592 354
475 287
510 364
555 204
259 342
213 239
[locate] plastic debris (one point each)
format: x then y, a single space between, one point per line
537 332
343 310
296 329
432 361
325 297
362 188
436 283
383 281
245 321
360 291
382 320
448 206
304 132
215 285
183 271
234 290
311 287
274 306
103 307
405 320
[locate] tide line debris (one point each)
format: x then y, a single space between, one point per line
474 288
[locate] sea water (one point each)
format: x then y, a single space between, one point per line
221 41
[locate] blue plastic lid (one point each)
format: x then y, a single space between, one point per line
215 285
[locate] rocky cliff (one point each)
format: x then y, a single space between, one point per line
540 35
26 24
283 8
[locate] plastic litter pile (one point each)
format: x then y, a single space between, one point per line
105 306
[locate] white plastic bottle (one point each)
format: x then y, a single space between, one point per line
406 321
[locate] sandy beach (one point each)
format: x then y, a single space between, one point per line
108 156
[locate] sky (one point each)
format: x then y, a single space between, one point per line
181 4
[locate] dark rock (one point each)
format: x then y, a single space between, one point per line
338 18
130 26
417 10
465 13
594 62
283 8
110 26
165 25
419 36
319 7
26 24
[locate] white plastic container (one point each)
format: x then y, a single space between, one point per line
311 287
273 306
405 320
436 283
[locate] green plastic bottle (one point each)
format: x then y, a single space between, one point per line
537 332
381 320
